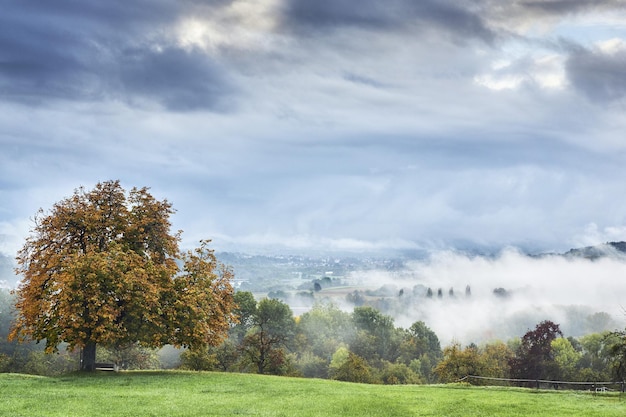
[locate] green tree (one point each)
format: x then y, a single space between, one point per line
421 343
266 343
352 369
50 364
376 337
398 373
312 366
617 350
420 340
198 360
566 358
101 269
320 332
596 360
244 311
227 355
325 327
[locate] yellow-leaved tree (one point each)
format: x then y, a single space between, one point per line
102 268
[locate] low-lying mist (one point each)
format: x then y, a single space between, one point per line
464 306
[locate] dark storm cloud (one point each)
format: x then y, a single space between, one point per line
562 7
452 18
181 80
86 50
600 76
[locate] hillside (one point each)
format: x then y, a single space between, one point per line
175 394
609 249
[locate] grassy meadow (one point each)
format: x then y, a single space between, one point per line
173 394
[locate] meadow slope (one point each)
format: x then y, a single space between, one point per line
174 394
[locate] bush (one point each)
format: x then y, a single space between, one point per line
312 366
398 373
353 369
198 360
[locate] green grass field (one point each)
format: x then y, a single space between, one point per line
221 394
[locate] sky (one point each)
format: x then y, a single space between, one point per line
324 124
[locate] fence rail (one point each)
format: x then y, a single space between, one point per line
597 386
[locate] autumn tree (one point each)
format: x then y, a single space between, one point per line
459 362
495 357
102 268
534 358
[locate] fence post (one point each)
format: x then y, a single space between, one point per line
537 382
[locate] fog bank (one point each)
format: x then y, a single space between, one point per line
568 291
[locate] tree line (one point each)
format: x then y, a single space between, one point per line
365 346
359 346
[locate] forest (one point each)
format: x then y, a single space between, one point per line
363 345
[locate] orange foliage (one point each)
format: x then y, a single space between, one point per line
101 268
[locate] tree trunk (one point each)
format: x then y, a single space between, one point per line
88 357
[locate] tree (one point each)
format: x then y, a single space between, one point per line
100 268
324 328
495 357
200 301
534 358
458 363
617 351
566 357
596 360
426 341
274 326
349 367
421 343
245 309
198 360
376 337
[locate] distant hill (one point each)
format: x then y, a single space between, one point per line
609 249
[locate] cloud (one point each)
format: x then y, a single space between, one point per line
89 51
566 291
179 79
544 71
450 18
322 121
567 7
537 18
599 73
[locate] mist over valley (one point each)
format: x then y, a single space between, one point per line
462 296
